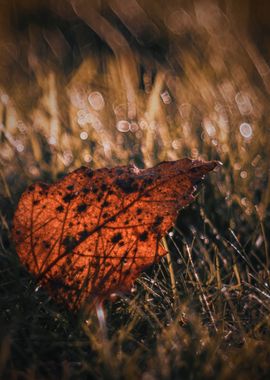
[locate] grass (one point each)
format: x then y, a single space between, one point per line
203 312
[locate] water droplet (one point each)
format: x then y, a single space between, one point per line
78 97
97 125
21 126
133 127
83 135
67 157
82 121
37 288
166 97
153 125
176 144
256 160
246 130
143 124
244 201
4 99
81 113
225 148
20 147
243 103
52 140
194 153
87 157
185 110
237 166
139 134
133 289
96 100
209 127
123 126
34 171
243 174
120 111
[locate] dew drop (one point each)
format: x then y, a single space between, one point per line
166 97
82 121
52 140
143 124
246 130
123 126
83 135
133 127
243 174
87 157
20 147
96 101
243 102
4 99
176 144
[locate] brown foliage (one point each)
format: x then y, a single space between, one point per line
92 233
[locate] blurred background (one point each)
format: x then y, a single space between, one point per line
103 83
118 82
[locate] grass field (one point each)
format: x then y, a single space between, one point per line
203 311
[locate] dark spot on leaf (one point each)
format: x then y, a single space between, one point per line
128 185
139 211
104 187
31 188
83 235
69 198
59 208
18 232
106 215
46 244
94 189
36 202
143 236
59 283
82 207
89 173
116 238
105 204
69 243
158 220
85 190
148 181
70 187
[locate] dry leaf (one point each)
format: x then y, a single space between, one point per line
92 233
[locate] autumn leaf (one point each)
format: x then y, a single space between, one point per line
92 233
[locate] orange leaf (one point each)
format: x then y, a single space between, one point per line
92 233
